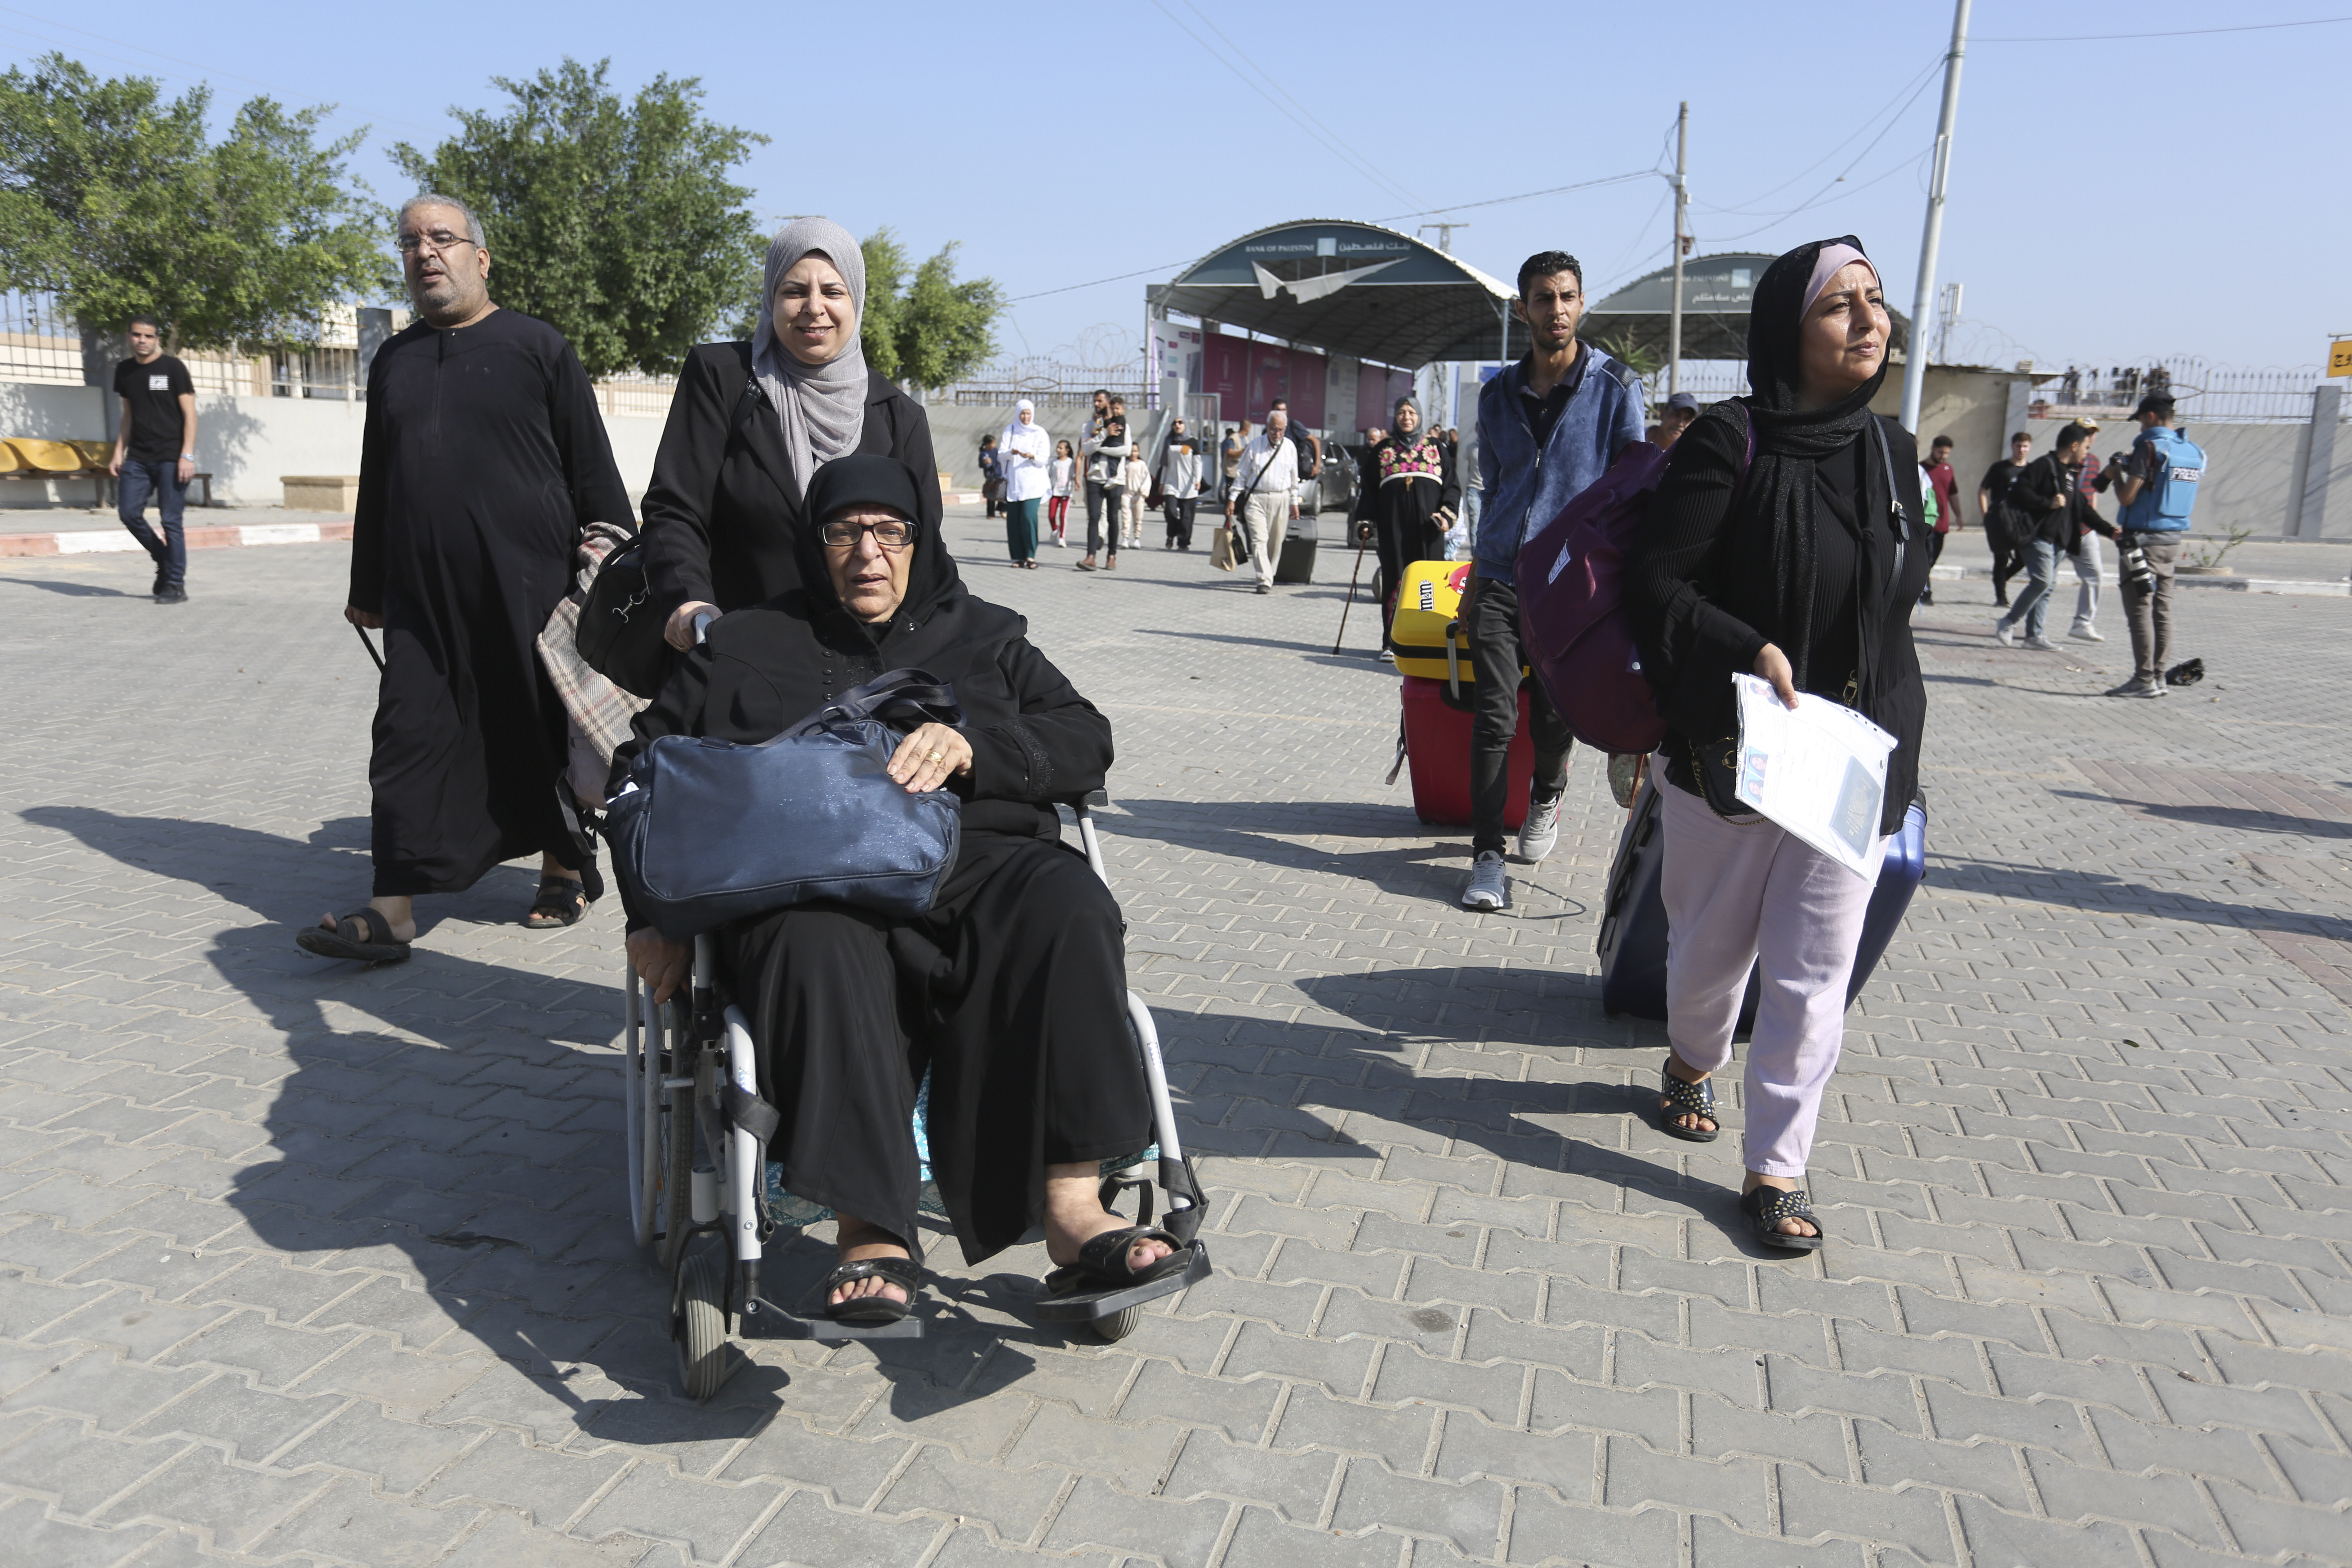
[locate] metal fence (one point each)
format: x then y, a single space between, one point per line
38 343
2203 392
1047 383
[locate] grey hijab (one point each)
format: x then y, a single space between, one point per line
821 406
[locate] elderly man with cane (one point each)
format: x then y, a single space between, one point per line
484 458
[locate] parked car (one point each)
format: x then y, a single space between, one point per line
1334 488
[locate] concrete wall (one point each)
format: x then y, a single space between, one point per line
2254 474
248 444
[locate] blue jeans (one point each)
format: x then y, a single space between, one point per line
136 483
2032 605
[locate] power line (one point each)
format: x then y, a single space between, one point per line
1524 196
1904 94
2168 33
1368 168
1309 125
1067 287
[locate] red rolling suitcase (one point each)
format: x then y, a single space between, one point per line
1438 749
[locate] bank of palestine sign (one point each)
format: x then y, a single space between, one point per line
1314 259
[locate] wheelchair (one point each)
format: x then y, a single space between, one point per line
701 1196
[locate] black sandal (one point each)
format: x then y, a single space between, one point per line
1102 1262
1766 1207
339 943
903 1272
562 901
1688 1099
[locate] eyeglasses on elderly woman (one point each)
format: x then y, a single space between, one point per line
890 533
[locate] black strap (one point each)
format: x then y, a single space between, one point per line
904 698
749 1111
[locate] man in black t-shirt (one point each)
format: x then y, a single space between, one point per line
156 453
2007 560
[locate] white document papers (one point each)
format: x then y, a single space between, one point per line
1818 770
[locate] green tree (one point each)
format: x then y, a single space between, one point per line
886 279
615 221
117 201
940 328
1634 355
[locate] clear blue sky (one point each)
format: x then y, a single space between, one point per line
2141 192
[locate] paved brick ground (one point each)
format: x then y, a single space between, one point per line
300 1263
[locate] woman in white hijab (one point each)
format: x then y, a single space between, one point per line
752 421
1026 454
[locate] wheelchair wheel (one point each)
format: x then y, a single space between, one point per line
699 1328
1120 1324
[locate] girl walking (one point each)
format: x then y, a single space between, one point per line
1058 503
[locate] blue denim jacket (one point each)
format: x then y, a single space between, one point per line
1525 489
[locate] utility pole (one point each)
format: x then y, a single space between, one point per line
1443 387
1682 201
1914 366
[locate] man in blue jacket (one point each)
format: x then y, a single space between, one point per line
2156 482
1549 425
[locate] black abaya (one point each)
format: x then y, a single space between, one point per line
1011 987
484 457
1408 480
1010 990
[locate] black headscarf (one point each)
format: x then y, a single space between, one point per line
1780 482
873 479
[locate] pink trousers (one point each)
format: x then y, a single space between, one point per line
1750 893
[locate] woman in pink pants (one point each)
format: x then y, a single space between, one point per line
1796 557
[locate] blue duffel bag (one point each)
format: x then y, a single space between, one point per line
707 831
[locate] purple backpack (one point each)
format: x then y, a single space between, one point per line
1570 579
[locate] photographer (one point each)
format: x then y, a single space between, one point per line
2156 482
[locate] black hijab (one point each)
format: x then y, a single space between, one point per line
873 479
1781 483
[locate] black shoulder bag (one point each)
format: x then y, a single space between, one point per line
622 622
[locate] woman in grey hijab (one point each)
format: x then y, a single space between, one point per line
752 421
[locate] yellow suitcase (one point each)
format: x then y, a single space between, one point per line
1427 635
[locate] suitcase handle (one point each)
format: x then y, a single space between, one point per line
1453 661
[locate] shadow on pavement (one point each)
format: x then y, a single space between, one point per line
2100 893
490 1154
487 1150
75 590
2245 819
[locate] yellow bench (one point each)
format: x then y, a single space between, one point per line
38 457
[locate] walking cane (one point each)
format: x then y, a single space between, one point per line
1351 601
367 643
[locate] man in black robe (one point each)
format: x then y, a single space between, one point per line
484 458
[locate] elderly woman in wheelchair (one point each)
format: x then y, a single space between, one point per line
1008 989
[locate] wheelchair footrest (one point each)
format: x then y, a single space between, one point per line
763 1319
1090 1306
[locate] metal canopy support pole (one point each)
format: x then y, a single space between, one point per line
1682 202
1923 298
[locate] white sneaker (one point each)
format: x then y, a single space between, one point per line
2040 644
1488 887
1387 656
2087 634
1540 831
2136 687
2003 633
